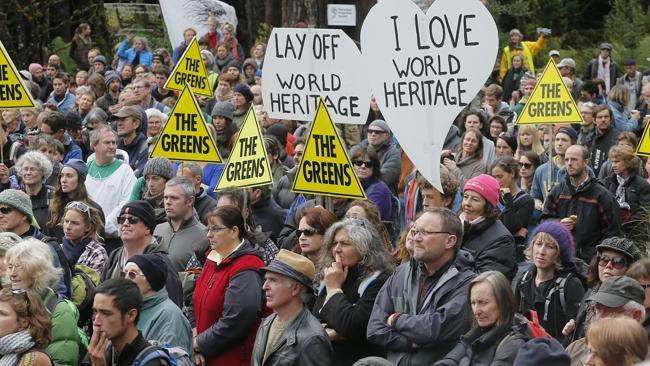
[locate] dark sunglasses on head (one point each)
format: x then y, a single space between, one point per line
307 232
6 210
358 162
617 262
526 165
132 220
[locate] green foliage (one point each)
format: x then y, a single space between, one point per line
263 32
626 23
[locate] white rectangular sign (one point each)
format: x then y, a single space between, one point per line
342 15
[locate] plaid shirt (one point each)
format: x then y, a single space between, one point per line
94 256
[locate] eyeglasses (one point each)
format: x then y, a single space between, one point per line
307 232
215 229
132 220
130 275
77 205
616 262
415 232
526 165
11 267
367 164
376 132
6 210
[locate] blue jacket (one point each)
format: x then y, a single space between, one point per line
138 151
178 52
129 55
161 320
72 150
620 120
65 105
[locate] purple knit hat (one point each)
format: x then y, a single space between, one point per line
563 237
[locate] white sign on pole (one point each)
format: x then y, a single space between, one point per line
424 69
308 63
342 15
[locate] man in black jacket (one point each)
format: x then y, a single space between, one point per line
603 67
606 136
583 204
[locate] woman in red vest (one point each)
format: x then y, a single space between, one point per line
228 294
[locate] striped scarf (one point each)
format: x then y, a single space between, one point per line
13 346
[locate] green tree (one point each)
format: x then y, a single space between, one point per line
626 23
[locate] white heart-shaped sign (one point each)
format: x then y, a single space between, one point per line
424 69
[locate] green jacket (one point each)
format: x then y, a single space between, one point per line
161 320
64 347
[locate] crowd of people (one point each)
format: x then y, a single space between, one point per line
533 254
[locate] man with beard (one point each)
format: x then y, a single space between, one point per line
583 205
38 76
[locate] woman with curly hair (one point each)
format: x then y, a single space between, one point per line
353 267
25 329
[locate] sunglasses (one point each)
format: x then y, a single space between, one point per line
6 210
526 165
367 164
376 132
130 275
132 220
307 232
616 262
77 205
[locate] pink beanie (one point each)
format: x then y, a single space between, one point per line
35 67
486 186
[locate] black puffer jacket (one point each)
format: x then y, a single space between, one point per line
492 246
495 346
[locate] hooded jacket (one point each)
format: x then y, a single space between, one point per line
161 320
138 151
425 335
228 306
597 211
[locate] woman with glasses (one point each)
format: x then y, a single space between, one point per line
25 329
497 125
467 162
366 164
227 301
516 206
29 267
311 228
552 285
497 334
528 163
81 226
613 258
476 120
351 272
71 187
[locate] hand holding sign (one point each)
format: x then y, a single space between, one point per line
424 69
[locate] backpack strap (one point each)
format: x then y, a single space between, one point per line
150 353
560 282
365 283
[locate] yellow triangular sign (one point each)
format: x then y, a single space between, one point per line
325 167
190 70
13 93
248 165
185 136
551 101
643 148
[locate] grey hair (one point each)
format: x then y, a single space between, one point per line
194 168
373 252
153 112
631 306
97 133
7 240
144 41
209 58
36 260
36 157
97 115
186 185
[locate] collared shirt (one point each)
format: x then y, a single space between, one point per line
217 258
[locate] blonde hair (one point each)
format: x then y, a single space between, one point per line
619 340
36 260
536 147
619 94
626 155
545 238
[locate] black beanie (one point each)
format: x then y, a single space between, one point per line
153 267
143 210
542 352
